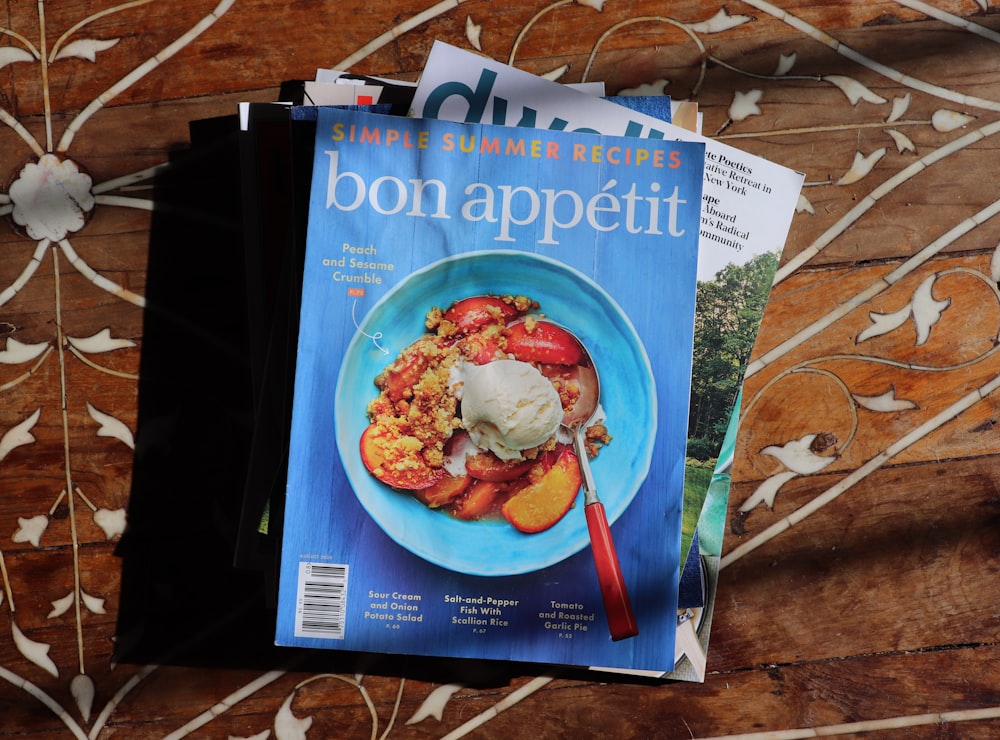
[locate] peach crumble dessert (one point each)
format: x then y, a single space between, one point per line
468 416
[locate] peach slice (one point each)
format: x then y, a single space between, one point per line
405 372
541 504
545 342
446 490
478 501
409 472
476 312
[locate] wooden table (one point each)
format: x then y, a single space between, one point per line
859 577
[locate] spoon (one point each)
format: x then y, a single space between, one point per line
617 606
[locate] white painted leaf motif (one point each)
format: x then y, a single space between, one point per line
31 530
61 606
948 120
902 141
111 427
259 736
17 352
102 341
926 310
797 456
745 105
82 689
597 5
289 727
719 22
899 107
472 33
767 490
656 87
884 402
19 435
94 604
861 167
804 205
433 705
854 90
785 64
556 73
85 48
112 521
36 652
11 54
883 323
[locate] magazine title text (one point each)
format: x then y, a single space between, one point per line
609 204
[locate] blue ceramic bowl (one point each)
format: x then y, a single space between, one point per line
628 396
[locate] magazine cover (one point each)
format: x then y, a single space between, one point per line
491 396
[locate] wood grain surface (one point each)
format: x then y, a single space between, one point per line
858 591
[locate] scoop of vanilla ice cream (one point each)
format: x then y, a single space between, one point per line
509 406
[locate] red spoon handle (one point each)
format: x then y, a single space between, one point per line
617 606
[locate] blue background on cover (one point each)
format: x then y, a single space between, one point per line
651 279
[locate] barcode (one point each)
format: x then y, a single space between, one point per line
321 601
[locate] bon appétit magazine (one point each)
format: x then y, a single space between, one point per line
491 395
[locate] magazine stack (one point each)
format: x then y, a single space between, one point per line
479 303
